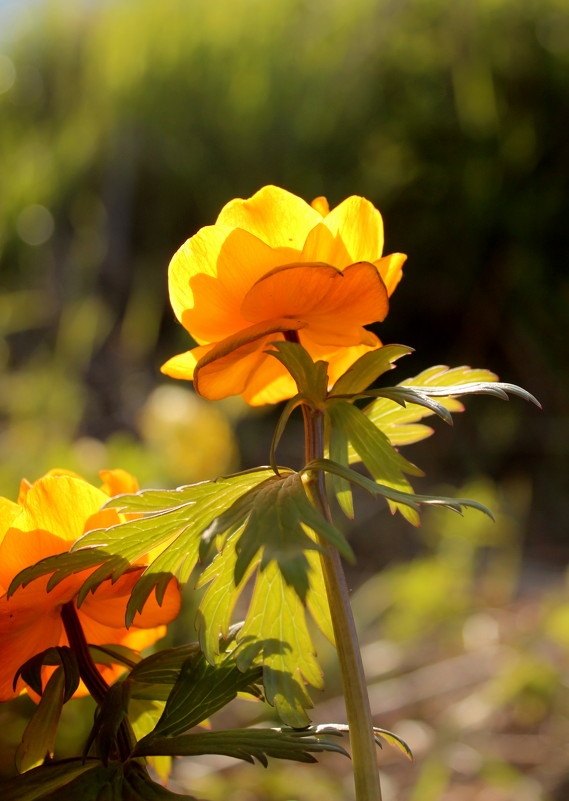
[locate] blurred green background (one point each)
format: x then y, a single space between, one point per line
125 126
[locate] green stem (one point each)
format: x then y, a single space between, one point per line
366 775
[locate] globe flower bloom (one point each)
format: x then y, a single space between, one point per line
49 516
274 264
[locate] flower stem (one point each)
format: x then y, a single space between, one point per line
92 679
366 775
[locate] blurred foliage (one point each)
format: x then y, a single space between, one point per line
127 125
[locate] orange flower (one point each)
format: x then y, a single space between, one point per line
273 264
48 518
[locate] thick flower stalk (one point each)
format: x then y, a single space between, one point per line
48 517
274 264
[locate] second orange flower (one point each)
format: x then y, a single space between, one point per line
272 264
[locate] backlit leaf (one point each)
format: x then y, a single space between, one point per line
276 515
275 634
38 740
385 464
218 602
248 744
400 424
200 690
411 499
368 368
40 782
310 377
338 447
288 409
392 739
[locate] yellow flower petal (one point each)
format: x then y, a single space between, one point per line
8 513
272 258
268 382
211 273
391 270
118 482
356 230
321 205
184 364
276 216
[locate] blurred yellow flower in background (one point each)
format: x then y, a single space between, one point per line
273 264
49 516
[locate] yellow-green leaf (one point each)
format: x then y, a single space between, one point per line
38 740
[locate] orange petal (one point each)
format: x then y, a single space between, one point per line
21 548
320 203
52 517
269 382
118 482
24 632
211 273
276 216
391 270
25 487
227 368
107 605
334 304
351 232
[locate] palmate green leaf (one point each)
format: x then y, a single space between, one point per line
248 744
400 424
317 598
41 782
386 465
143 715
367 369
338 450
278 639
162 668
275 634
200 690
310 377
61 565
405 395
271 520
217 605
379 735
392 739
38 740
288 409
411 499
